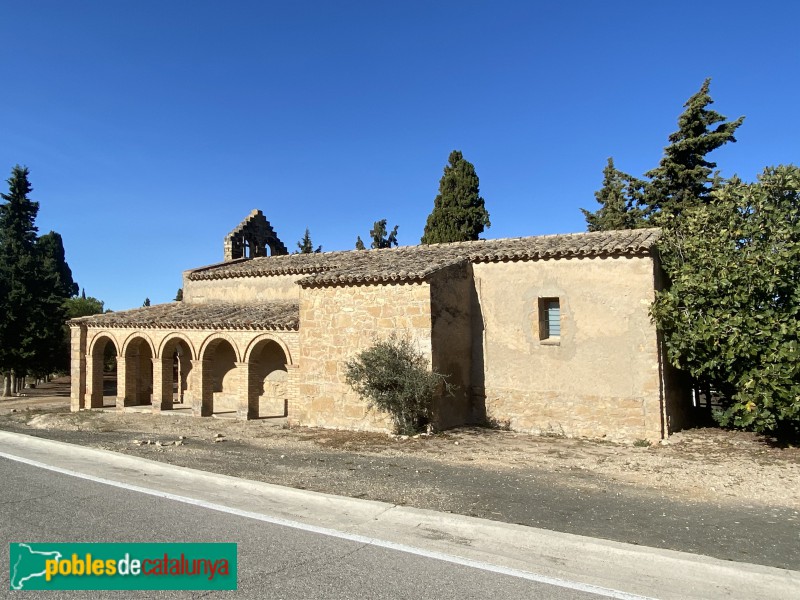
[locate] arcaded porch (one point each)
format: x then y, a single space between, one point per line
214 359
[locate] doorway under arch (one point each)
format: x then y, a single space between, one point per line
267 390
138 384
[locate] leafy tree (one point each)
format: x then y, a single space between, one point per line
380 238
305 246
146 302
458 212
732 312
393 376
360 244
619 200
18 270
83 306
683 178
179 295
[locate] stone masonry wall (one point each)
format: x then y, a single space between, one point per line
601 378
338 322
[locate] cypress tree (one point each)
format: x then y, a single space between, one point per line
619 200
459 213
683 177
380 238
18 267
305 246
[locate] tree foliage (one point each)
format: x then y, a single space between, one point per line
179 295
381 238
360 243
83 306
732 312
393 376
459 213
305 246
683 178
620 201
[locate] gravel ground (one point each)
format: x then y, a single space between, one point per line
727 494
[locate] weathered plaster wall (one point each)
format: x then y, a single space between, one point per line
338 322
241 289
603 376
451 342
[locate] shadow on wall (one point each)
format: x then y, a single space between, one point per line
477 367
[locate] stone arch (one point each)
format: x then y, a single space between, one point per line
136 371
202 354
268 378
102 385
176 335
176 354
96 338
132 339
219 375
268 336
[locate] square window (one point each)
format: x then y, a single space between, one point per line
549 319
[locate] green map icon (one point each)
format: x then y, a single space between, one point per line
27 564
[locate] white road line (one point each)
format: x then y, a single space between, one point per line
475 564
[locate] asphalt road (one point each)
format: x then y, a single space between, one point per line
274 561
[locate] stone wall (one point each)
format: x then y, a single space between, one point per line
601 378
241 289
337 323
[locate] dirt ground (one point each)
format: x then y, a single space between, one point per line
731 495
705 465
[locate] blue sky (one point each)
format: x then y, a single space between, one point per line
152 128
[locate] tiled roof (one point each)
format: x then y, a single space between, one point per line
408 263
275 315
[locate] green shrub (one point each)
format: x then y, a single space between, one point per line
393 376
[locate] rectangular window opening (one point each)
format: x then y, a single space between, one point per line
549 319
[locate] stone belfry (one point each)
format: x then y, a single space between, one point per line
252 237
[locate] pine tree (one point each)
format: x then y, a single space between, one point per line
619 199
379 236
683 178
458 212
360 244
305 246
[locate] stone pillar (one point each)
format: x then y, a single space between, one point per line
202 389
247 404
162 384
77 367
95 380
122 382
293 394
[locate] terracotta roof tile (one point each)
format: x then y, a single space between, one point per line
275 315
409 263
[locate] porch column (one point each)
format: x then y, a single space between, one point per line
77 394
293 394
122 383
247 404
95 380
162 384
202 388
